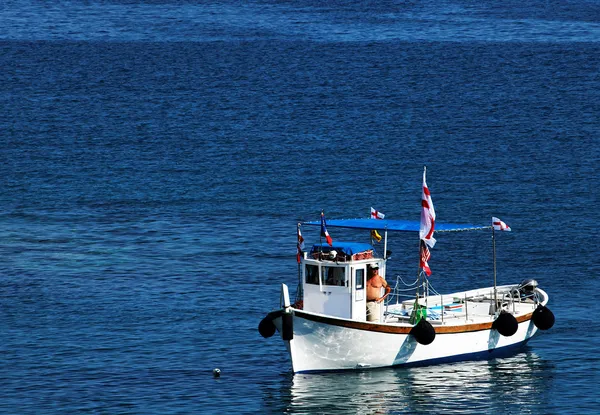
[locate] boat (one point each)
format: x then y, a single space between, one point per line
332 325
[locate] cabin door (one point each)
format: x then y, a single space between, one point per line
335 291
359 292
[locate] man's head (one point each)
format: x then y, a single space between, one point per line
374 270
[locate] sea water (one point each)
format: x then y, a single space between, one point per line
156 157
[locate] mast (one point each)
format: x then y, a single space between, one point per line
321 233
299 291
494 259
419 271
300 255
501 226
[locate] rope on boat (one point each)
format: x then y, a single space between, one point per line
399 292
398 277
433 290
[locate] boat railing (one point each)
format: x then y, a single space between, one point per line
440 307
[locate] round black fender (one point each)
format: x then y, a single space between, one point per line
266 328
543 318
506 324
287 326
423 332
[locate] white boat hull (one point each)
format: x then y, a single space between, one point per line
326 343
319 346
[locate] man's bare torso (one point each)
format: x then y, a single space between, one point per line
374 286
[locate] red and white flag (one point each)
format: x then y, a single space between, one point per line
300 245
425 255
324 230
427 215
376 214
499 225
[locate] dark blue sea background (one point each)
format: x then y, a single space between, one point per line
156 156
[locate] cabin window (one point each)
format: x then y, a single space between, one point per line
360 279
334 276
312 274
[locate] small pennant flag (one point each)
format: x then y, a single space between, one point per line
300 245
375 235
425 255
324 230
427 216
499 225
376 214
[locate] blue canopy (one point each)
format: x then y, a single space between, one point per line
348 248
393 225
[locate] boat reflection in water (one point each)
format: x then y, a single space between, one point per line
509 385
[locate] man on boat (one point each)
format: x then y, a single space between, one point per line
374 298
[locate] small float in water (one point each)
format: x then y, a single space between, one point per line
337 323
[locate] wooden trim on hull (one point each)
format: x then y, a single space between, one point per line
395 329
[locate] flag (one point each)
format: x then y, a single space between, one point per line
324 230
425 255
418 313
300 245
427 215
375 235
499 225
376 214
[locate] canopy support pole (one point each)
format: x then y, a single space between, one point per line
385 244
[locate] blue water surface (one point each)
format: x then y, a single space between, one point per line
157 155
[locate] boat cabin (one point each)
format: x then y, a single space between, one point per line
334 279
